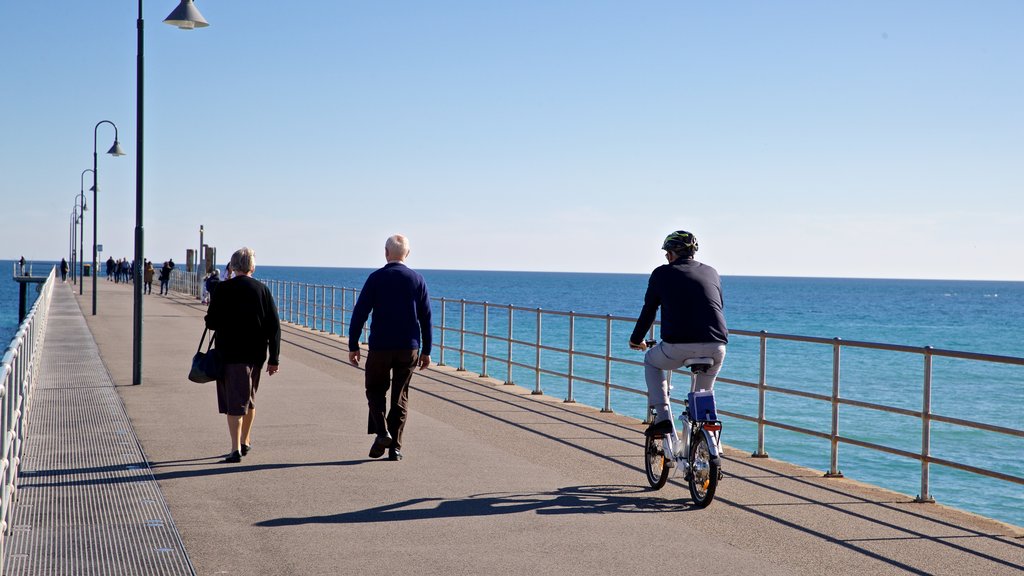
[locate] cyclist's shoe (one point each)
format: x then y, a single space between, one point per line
661 428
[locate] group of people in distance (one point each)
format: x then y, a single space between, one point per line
244 316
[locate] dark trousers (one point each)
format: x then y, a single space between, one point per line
389 369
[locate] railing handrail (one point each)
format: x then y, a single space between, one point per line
309 310
19 369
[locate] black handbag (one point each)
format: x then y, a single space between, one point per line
206 366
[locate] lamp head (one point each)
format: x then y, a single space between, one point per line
115 150
186 16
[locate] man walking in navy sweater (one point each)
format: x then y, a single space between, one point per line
400 339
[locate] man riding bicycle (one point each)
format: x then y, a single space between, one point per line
689 294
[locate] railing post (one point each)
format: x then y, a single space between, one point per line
323 308
483 368
536 387
443 310
833 469
926 428
508 379
572 340
334 306
309 319
343 311
607 365
462 335
762 381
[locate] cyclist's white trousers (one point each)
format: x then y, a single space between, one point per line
665 356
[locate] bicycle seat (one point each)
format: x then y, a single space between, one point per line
698 365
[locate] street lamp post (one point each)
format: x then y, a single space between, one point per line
74 236
71 241
115 150
81 192
81 238
187 17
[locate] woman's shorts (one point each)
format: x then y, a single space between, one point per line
236 389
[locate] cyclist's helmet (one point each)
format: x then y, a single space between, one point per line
680 242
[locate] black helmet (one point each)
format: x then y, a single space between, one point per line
680 242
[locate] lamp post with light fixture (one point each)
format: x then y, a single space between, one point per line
115 150
186 17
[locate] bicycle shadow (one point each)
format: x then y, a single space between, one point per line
568 500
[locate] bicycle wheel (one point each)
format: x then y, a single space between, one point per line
654 462
703 477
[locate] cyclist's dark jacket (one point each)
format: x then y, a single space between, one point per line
690 296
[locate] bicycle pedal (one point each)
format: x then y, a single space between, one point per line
670 463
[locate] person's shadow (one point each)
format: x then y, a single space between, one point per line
569 500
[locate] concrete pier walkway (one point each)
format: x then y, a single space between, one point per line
494 480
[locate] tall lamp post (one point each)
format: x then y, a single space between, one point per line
187 17
115 151
71 241
75 218
81 192
81 238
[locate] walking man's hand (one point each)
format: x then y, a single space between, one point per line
353 358
424 361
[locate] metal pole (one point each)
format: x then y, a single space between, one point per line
71 242
926 427
509 379
761 383
483 369
96 185
572 338
833 470
462 336
81 243
536 387
607 365
443 310
74 237
137 308
334 306
343 331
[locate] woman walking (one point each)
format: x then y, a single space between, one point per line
243 315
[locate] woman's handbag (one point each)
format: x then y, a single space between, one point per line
205 365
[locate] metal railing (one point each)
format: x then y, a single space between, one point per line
184 282
548 346
18 373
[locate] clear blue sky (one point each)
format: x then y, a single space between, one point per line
854 139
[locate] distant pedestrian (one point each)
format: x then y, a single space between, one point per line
244 317
211 284
21 266
64 270
165 277
147 277
400 339
110 268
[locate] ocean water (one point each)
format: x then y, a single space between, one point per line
9 298
969 316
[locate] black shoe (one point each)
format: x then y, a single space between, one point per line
245 449
379 445
659 428
234 458
394 454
